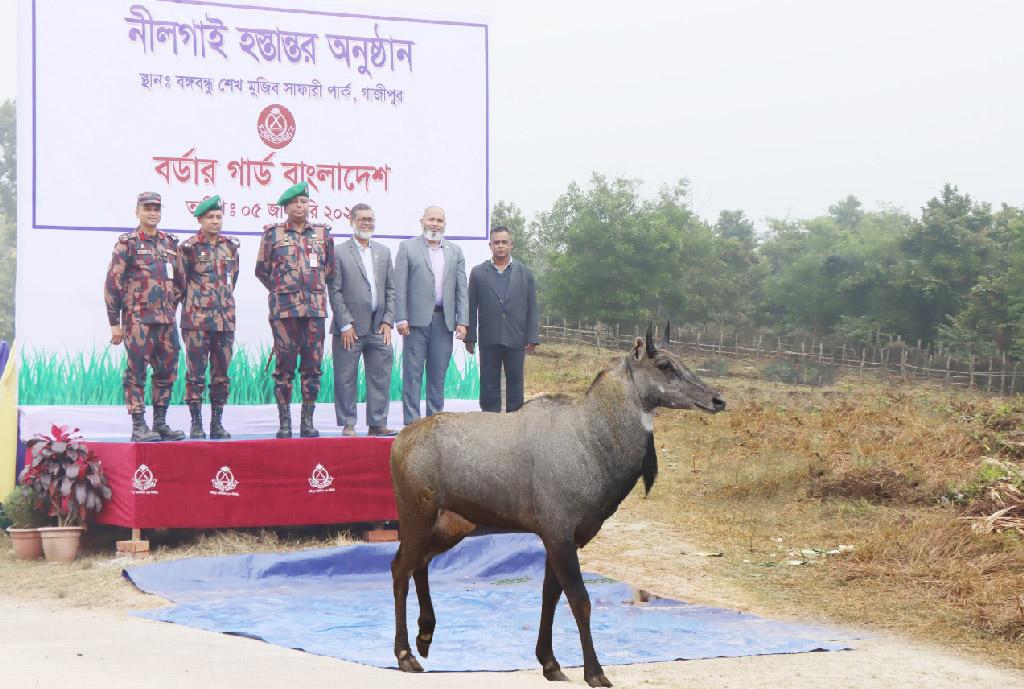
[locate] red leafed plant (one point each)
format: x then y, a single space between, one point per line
65 477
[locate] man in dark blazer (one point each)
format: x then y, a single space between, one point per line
503 300
363 300
430 304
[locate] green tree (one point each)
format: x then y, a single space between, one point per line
832 273
944 254
614 256
991 319
743 270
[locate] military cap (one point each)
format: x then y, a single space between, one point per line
210 204
300 189
148 197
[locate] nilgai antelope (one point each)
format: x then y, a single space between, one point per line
558 467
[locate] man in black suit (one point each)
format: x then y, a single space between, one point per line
503 299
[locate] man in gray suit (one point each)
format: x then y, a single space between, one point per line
430 302
503 300
363 301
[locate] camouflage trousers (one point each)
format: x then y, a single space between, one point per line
155 345
294 337
215 347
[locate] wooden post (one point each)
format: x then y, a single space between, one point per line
988 386
948 359
1013 380
970 384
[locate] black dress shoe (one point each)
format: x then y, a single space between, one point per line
382 430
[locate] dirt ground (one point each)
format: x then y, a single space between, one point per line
55 643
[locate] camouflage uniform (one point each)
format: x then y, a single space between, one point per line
295 267
141 296
207 276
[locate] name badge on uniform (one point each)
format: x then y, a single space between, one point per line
170 270
314 261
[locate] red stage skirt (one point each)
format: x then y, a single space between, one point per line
244 483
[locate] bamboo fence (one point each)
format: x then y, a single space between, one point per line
995 375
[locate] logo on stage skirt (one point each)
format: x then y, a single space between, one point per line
143 481
320 480
225 483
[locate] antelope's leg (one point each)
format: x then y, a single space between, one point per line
449 528
549 601
426 621
410 556
566 565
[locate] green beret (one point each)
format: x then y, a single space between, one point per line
210 204
300 189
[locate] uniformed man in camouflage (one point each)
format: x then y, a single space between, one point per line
295 263
207 276
141 297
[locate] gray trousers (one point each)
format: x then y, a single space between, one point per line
430 344
378 359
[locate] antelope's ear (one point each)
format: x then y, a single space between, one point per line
638 348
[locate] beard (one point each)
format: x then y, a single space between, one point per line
433 235
363 234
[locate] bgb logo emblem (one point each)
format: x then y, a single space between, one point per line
276 126
143 481
320 480
225 483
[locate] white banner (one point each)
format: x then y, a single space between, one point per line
194 98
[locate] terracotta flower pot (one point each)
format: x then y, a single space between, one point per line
60 543
27 543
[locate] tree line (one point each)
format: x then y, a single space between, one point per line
953 273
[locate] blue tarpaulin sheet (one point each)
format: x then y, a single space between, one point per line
486 591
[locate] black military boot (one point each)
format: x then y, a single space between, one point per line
217 431
306 429
196 432
140 431
284 417
161 427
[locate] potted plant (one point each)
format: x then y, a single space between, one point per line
66 479
26 520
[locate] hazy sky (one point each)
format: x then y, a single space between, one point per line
778 108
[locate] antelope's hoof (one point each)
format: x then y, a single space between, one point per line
410 664
555 675
598 681
423 644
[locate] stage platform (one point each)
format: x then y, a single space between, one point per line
251 480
